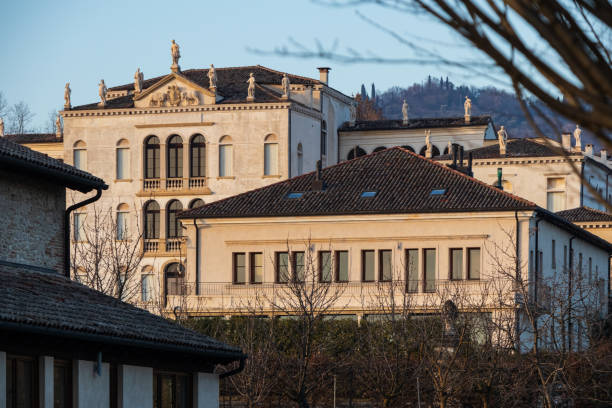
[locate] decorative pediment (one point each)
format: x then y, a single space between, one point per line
175 90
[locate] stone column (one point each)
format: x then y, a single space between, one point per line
163 167
162 222
186 164
45 382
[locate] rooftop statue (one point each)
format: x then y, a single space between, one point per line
286 86
58 125
212 77
251 89
102 92
67 93
176 53
577 137
428 143
1 127
502 136
138 80
467 106
405 112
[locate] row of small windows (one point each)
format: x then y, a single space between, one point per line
174 162
358 151
333 266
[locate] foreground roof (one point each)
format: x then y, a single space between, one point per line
231 85
585 214
421 123
527 147
34 138
23 159
403 182
34 300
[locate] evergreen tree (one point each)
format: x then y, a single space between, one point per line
373 93
363 92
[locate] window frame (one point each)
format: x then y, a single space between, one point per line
410 282
122 154
155 226
67 365
269 158
469 263
425 264
172 220
252 267
225 150
174 150
330 266
336 271
277 266
235 266
381 277
294 265
363 265
152 153
200 148
149 295
556 190
451 265
11 373
157 389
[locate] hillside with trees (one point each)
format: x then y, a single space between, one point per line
439 97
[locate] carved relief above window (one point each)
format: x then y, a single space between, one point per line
174 96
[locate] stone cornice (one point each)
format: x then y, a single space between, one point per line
496 161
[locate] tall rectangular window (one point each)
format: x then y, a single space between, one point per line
429 268
385 272
239 267
146 287
21 382
456 263
79 227
298 266
342 266
553 255
325 266
62 384
473 263
282 267
121 226
172 390
225 161
412 270
80 159
256 266
367 266
122 163
271 159
555 194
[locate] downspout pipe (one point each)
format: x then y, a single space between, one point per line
517 276
582 181
236 370
197 258
570 273
537 265
67 227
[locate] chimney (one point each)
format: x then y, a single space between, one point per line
455 149
604 154
324 74
588 150
460 155
318 184
566 141
499 178
469 169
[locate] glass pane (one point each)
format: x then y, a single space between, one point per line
430 269
23 383
474 261
342 265
412 265
282 265
270 159
121 225
147 288
78 156
60 382
239 268
368 265
299 265
122 156
166 392
385 265
182 391
325 266
225 160
456 263
257 267
197 161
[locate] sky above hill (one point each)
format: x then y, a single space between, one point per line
46 44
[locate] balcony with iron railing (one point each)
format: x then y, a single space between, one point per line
223 298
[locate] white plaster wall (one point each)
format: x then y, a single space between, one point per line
306 130
206 390
45 383
92 389
596 177
135 387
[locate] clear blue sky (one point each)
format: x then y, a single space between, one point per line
48 43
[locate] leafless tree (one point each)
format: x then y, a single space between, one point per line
20 117
105 254
51 125
3 106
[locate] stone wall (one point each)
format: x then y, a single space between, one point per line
31 216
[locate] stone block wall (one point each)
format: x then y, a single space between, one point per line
31 221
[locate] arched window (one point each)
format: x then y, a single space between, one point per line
151 220
225 157
123 160
122 218
271 155
151 159
173 224
323 140
379 149
198 202
407 147
300 159
147 281
434 151
356 152
175 275
175 157
79 155
198 156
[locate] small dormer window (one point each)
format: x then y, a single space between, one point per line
294 195
437 192
367 194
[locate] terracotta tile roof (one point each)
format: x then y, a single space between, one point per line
419 123
50 301
20 158
402 180
585 214
34 138
514 148
231 84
